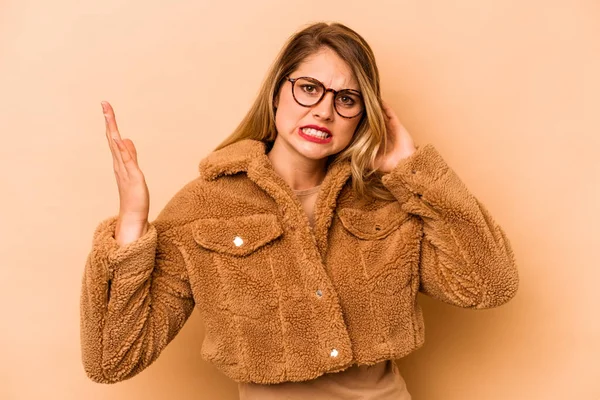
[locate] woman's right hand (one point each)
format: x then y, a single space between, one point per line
134 199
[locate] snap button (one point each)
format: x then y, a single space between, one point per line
319 293
413 171
334 353
238 241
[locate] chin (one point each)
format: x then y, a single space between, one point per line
313 151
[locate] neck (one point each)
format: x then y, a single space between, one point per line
296 170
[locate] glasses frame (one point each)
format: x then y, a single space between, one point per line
325 90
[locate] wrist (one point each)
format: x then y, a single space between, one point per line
127 231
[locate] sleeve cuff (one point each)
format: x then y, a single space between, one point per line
106 246
415 174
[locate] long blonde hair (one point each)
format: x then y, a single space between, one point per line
370 135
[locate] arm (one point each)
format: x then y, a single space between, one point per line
466 258
134 299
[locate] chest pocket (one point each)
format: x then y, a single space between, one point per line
379 247
373 224
238 236
244 258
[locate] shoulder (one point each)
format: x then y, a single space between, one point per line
186 205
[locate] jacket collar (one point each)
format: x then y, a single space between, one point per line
232 159
245 154
249 156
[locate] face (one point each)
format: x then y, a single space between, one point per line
292 119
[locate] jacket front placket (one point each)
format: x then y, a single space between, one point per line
333 330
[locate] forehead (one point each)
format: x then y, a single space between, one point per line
326 66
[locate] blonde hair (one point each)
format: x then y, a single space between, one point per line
370 135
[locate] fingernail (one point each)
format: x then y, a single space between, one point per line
103 104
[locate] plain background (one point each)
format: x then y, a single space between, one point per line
507 91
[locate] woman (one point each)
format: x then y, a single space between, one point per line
303 243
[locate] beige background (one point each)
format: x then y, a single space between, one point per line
507 91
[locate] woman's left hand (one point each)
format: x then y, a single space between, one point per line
399 142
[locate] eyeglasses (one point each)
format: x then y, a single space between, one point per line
307 92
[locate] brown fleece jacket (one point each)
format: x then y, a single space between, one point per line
279 301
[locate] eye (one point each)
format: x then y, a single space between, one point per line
346 100
308 88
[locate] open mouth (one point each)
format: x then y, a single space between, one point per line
315 133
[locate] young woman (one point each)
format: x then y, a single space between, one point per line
303 243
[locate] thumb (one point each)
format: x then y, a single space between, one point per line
129 144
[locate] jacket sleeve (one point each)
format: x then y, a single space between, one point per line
466 258
134 299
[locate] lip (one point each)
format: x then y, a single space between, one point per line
312 138
319 128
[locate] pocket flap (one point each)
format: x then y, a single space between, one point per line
372 224
238 236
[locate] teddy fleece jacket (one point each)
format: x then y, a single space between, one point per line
281 301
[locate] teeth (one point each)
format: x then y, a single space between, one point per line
315 133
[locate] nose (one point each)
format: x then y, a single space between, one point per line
324 108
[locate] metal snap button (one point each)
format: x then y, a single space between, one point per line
334 353
319 292
238 241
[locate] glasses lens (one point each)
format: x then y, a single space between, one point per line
348 103
307 92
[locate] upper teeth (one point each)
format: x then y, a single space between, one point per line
315 132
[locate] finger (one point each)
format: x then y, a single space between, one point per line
386 117
111 144
393 121
111 120
129 144
387 110
128 162
112 134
